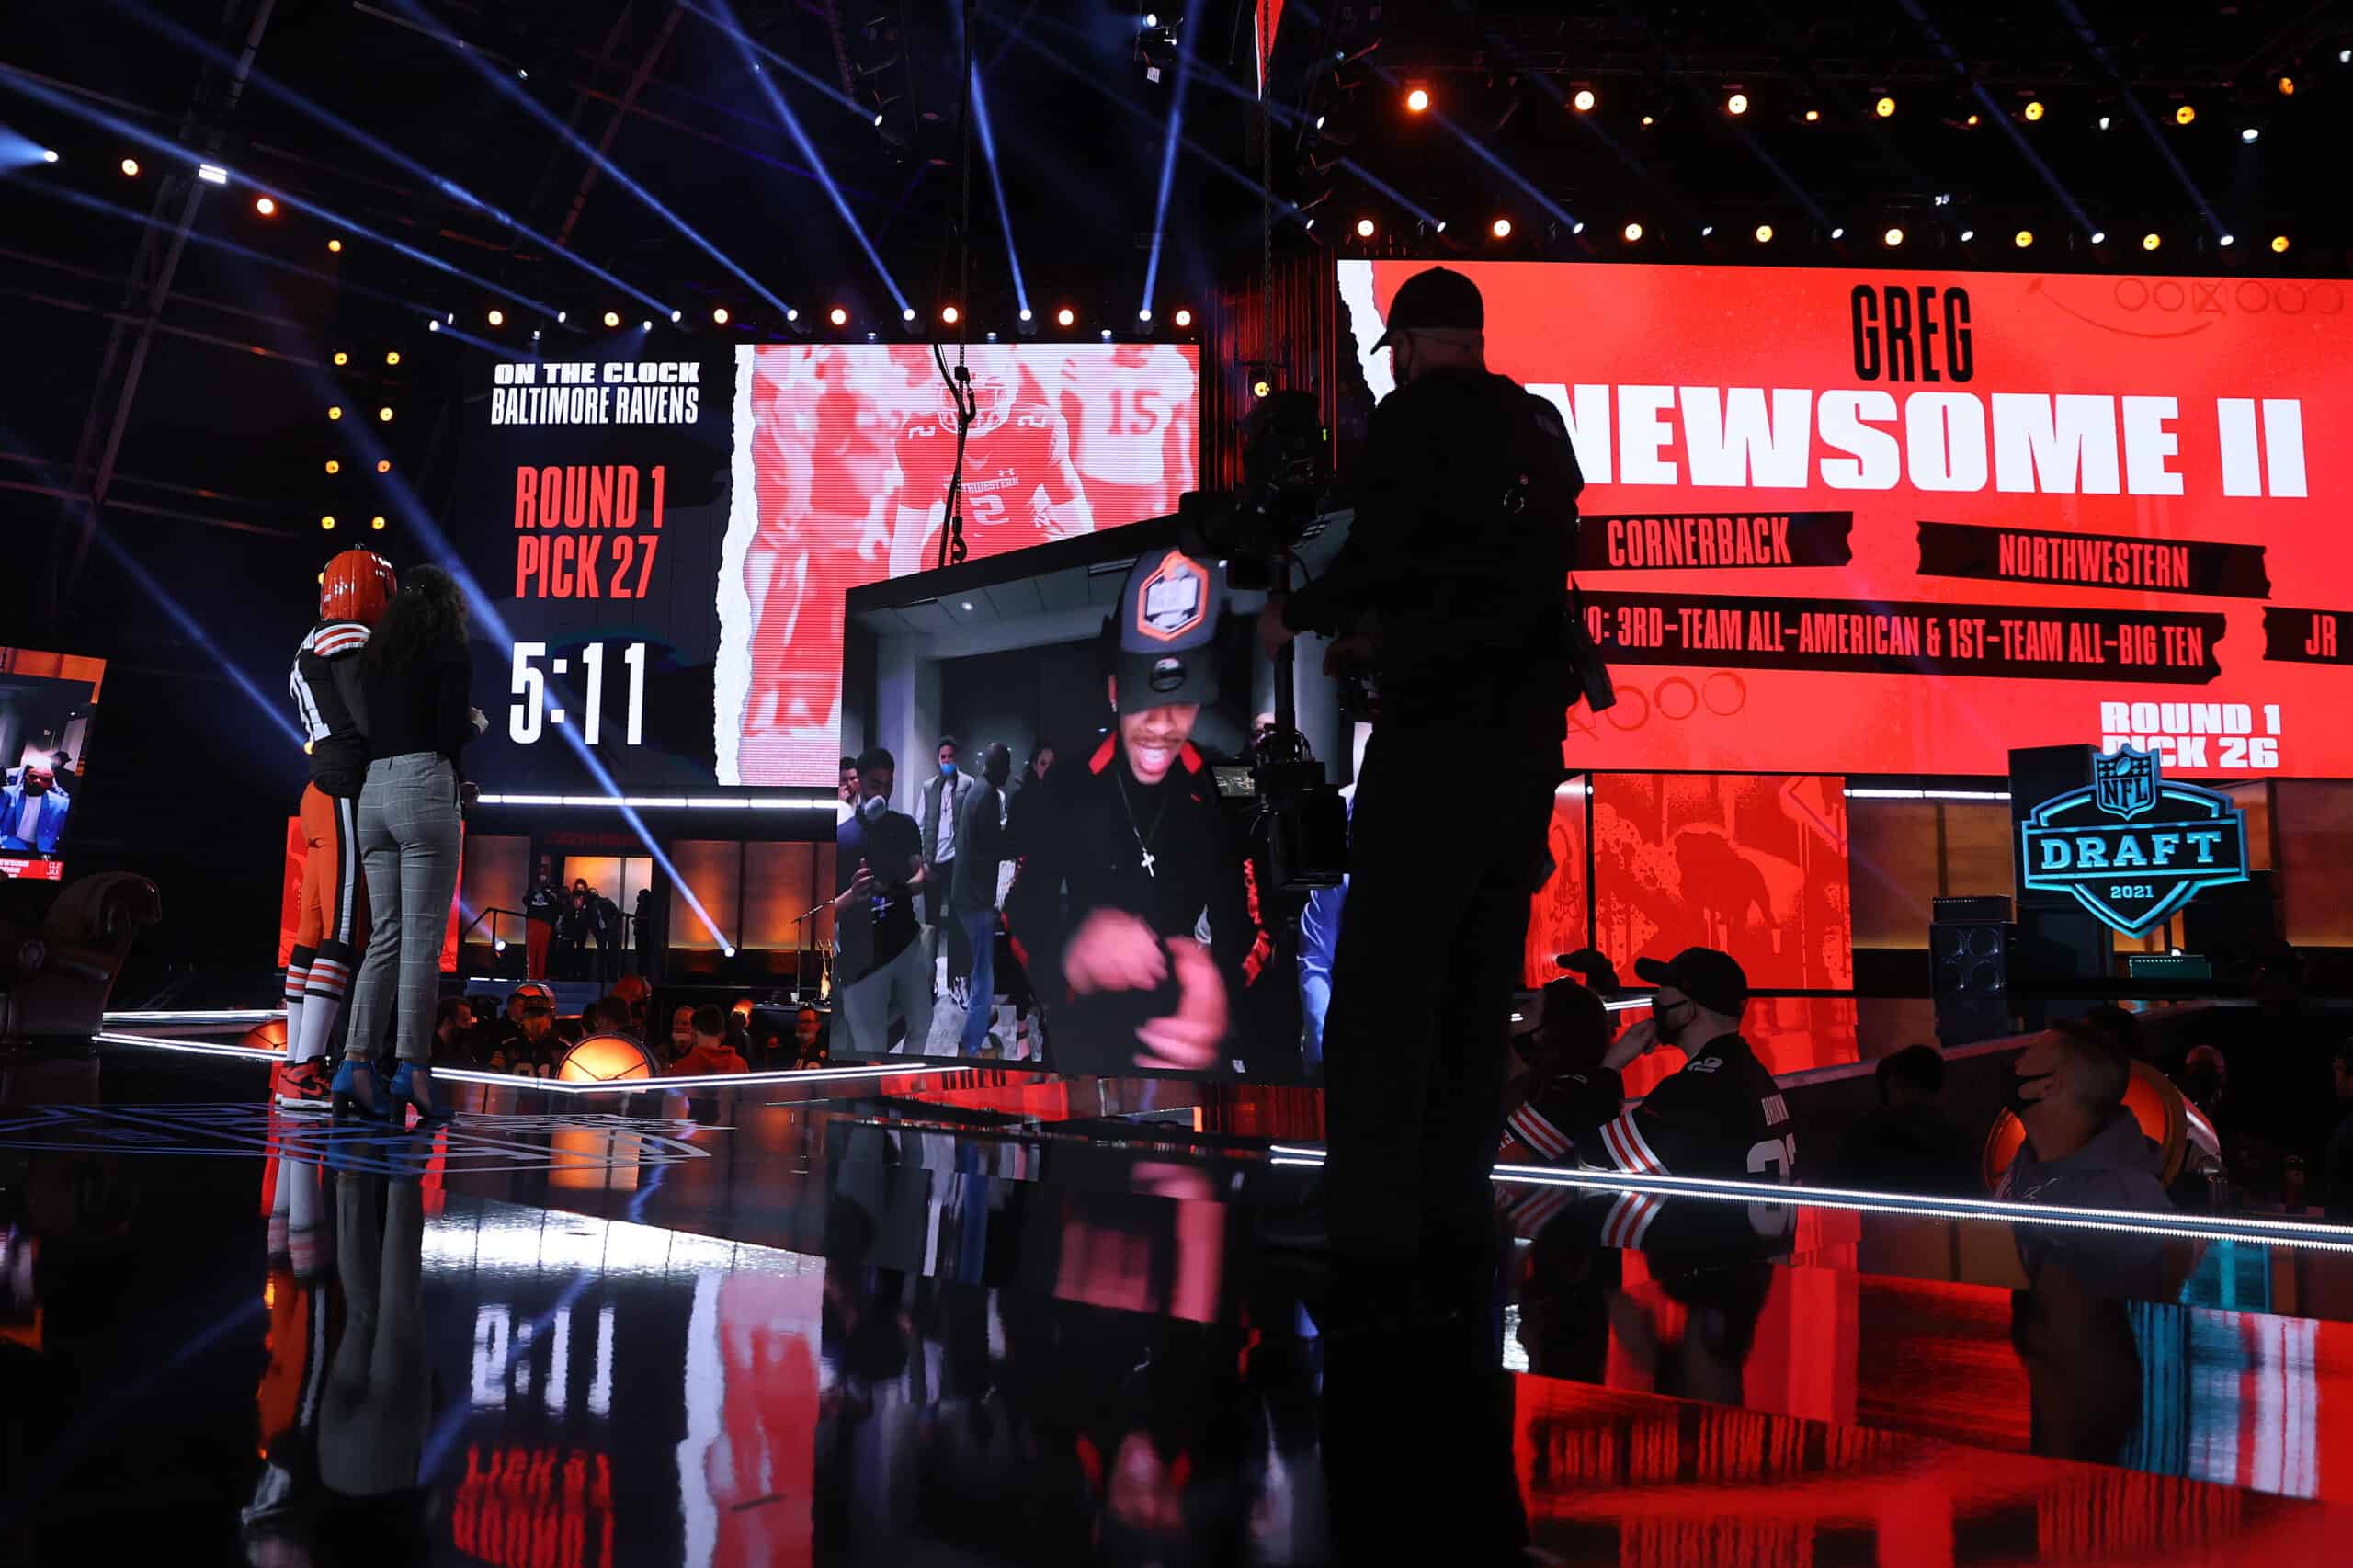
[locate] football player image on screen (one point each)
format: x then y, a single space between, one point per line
1130 407
822 442
1020 486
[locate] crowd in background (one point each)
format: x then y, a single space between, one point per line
524 1037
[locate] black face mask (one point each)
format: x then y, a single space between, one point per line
1668 1034
2017 1102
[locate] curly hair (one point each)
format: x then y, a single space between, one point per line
424 624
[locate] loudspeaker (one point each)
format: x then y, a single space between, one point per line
1971 958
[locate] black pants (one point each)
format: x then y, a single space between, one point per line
1416 1040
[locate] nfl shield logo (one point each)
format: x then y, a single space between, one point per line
2124 783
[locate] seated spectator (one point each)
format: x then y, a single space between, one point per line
709 1054
2083 1149
534 1050
682 1032
453 1032
808 1040
607 1015
1908 1145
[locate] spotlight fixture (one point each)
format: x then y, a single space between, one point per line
612 318
2250 135
1814 117
1650 120
2099 236
376 523
130 168
1839 232
1706 230
1736 104
908 313
1418 100
1584 100
1183 319
1967 235
392 356
1065 317
334 410
496 318
1892 238
1025 312
2023 238
2184 115
645 325
676 316
791 313
1577 227
341 358
2227 241
335 247
2279 244
2151 242
384 414
1107 335
1364 228
2103 122
838 316
1764 233
1144 314
2034 108
948 314
334 466
1501 227
383 465
719 315
1970 121
2287 86
1261 389
266 206
559 318
327 523
433 326
1634 231
1885 107
212 174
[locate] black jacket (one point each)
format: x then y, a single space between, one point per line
980 849
1464 532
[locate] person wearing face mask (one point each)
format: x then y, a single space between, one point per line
2082 1147
1129 911
1722 1115
941 815
880 973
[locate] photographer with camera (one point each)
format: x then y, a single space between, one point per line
1453 582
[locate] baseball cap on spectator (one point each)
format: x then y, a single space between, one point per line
1712 978
1439 299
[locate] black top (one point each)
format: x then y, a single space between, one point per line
873 936
422 707
1464 533
980 848
1085 832
1720 1116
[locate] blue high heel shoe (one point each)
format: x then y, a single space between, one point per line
406 1090
349 1099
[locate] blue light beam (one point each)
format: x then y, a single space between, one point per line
1003 214
1168 151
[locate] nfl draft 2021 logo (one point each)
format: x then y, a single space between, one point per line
2134 847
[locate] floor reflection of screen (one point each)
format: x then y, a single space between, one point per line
46 703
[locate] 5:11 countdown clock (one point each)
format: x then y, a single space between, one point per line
532 709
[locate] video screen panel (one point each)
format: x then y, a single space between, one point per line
1110 911
1901 521
666 543
48 704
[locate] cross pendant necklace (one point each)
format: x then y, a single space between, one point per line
1143 839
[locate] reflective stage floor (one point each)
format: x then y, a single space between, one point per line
948 1318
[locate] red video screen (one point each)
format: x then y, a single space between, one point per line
1901 521
48 702
842 459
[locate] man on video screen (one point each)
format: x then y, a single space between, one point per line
32 810
1130 909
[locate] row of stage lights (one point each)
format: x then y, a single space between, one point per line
1893 237
839 317
2033 110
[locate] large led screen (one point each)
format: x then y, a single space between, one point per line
662 544
48 702
1901 521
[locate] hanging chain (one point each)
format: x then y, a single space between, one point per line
1266 193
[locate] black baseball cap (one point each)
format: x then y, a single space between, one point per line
1437 300
1162 633
1713 980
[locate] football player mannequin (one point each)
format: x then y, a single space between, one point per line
1020 487
332 924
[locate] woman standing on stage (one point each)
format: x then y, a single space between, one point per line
414 673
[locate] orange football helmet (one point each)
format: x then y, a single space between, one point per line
357 585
